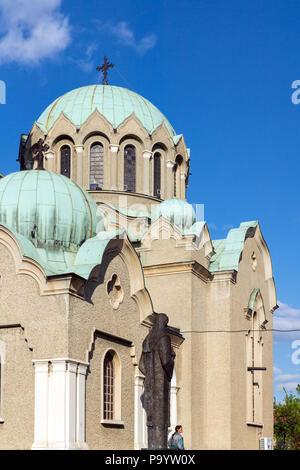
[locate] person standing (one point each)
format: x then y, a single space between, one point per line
176 440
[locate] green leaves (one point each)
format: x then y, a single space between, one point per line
287 422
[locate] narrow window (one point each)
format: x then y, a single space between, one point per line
157 175
129 168
255 375
174 180
177 175
96 166
65 161
108 391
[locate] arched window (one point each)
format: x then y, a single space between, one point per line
65 161
176 175
96 166
255 369
129 168
157 175
108 389
174 180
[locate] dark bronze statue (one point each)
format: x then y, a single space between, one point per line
38 150
157 364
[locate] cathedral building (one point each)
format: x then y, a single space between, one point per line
92 247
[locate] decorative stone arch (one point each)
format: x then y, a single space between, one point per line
65 138
256 306
263 248
122 247
94 122
131 137
26 262
133 126
95 135
62 126
161 134
23 265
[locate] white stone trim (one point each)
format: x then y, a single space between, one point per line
140 418
59 404
78 149
114 148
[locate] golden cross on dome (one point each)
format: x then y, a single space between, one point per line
104 68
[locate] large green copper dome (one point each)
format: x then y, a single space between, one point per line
115 103
50 210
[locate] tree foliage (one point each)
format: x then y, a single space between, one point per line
287 422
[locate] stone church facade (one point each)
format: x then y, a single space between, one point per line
91 248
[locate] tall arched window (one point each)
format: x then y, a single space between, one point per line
65 161
96 166
176 175
129 168
255 369
157 175
108 387
174 180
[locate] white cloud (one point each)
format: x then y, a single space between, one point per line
86 64
287 377
126 37
287 318
289 386
32 30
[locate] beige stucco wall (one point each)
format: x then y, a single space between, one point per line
63 326
211 368
212 388
17 400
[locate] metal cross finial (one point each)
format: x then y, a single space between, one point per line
104 68
39 148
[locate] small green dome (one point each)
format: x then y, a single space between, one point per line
178 212
48 209
115 103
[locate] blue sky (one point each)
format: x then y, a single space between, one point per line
221 71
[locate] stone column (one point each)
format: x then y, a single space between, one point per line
140 419
146 171
113 166
173 406
170 180
41 405
59 404
80 406
79 164
50 161
182 185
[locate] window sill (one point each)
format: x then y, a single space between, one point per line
255 425
112 423
1 420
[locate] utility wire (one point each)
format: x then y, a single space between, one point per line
241 331
124 79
